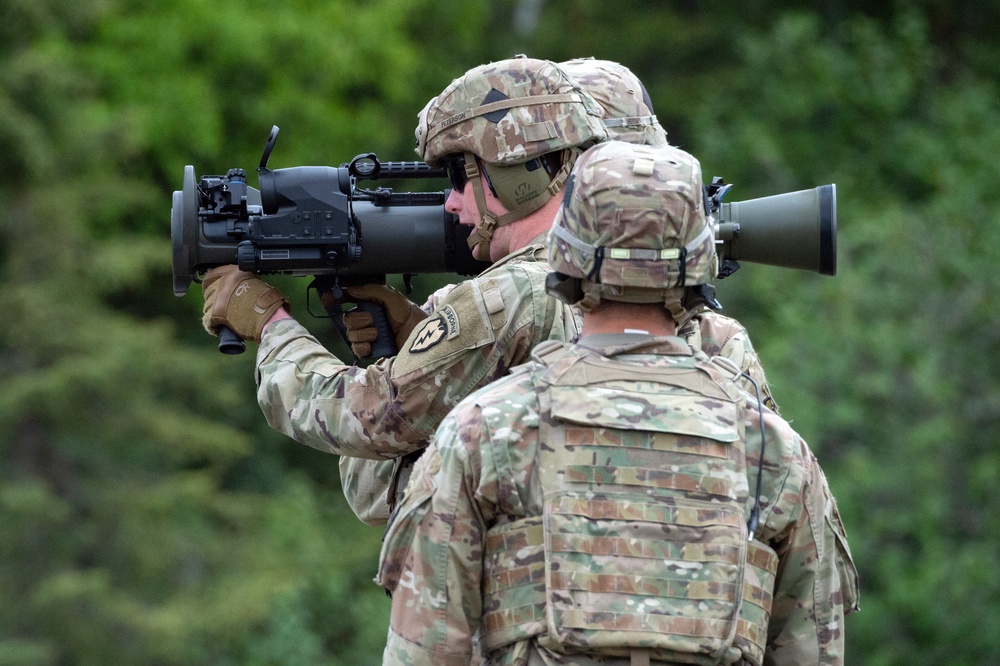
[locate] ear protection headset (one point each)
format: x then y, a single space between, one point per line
517 184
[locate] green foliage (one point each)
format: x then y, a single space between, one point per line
148 513
888 360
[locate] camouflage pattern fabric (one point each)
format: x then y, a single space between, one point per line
508 112
367 484
628 111
481 476
644 481
481 329
719 335
435 299
627 213
672 178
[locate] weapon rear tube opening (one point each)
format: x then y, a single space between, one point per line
792 230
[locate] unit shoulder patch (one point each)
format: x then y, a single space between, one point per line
442 326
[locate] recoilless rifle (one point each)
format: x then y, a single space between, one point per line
315 221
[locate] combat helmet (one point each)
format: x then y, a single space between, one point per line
628 110
510 118
632 228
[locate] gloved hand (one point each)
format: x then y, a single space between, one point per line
402 314
239 300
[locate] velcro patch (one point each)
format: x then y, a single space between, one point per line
540 131
493 298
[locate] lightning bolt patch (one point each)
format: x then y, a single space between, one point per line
430 333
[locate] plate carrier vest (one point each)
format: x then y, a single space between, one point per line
642 548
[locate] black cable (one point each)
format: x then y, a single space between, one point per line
754 521
595 273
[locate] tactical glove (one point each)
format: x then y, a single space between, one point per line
403 317
239 300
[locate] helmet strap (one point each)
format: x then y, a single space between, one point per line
490 221
676 300
676 309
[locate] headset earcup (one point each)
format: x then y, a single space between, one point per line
517 185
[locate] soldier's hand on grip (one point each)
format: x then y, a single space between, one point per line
402 314
239 300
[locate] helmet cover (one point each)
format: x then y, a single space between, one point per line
633 216
628 111
509 112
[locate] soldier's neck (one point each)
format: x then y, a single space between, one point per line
615 317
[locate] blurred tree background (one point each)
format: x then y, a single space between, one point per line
147 513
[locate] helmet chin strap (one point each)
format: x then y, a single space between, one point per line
489 221
673 299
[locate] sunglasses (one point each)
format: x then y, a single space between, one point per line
455 165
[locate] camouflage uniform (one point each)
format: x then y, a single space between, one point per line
621 500
498 117
465 552
480 330
369 486
719 335
529 317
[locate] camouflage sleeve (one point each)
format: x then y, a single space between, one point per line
366 484
431 560
817 583
717 335
481 328
310 395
